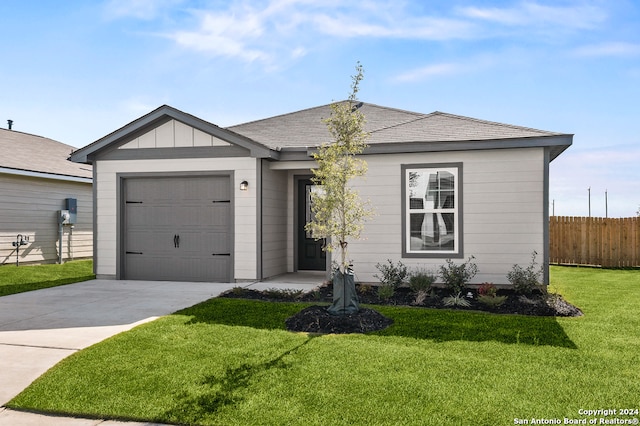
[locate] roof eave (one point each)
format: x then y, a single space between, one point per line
558 143
45 175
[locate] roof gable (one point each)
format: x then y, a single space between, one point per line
173 134
137 133
24 152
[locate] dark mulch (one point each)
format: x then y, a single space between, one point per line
316 319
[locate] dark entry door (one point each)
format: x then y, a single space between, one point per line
310 253
177 228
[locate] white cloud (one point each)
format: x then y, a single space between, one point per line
225 35
473 64
272 31
535 15
275 29
620 49
424 28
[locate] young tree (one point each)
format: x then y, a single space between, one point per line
339 212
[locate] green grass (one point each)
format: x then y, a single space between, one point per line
18 279
230 362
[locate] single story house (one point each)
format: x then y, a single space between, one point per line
179 198
36 179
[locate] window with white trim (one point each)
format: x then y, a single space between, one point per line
432 213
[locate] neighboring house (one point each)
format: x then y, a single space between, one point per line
179 198
35 180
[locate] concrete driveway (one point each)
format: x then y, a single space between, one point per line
40 328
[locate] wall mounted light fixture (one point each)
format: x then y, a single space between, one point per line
244 185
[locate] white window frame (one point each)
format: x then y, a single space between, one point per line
456 170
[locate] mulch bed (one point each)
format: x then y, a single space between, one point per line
316 319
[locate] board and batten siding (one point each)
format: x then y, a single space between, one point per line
29 206
503 211
274 221
245 224
174 134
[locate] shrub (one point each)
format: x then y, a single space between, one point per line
421 280
386 291
525 280
393 275
364 289
457 300
487 289
238 291
493 301
283 293
456 277
421 296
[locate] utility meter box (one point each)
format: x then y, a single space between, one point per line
71 205
63 217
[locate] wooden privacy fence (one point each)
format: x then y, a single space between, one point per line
606 242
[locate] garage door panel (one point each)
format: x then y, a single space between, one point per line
202 243
219 243
136 215
159 210
138 241
219 214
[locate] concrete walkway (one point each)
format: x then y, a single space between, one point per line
40 328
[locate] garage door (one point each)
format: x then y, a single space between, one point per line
177 229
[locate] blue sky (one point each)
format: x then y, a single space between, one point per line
75 71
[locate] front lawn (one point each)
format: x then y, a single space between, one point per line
230 362
18 279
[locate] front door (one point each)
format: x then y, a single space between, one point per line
310 254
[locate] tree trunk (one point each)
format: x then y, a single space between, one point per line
345 298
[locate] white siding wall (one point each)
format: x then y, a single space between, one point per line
503 193
173 134
245 206
29 206
274 221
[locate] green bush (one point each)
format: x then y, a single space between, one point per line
456 277
493 301
283 293
525 280
386 291
457 300
421 280
391 274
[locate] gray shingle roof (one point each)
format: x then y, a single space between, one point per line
386 125
32 153
293 135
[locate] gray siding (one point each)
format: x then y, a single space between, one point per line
29 205
244 202
274 222
503 211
